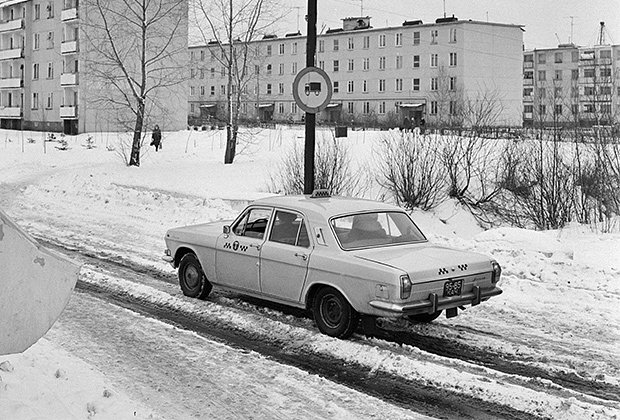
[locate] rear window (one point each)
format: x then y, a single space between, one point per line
376 229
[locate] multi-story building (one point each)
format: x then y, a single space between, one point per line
571 85
415 71
44 82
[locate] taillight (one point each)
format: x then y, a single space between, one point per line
405 286
497 272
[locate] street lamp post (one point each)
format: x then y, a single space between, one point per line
310 117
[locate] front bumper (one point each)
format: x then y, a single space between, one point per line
435 303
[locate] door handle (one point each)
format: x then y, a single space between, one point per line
257 246
303 256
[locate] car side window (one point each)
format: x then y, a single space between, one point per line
253 223
289 228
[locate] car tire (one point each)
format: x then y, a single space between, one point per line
333 314
424 318
192 279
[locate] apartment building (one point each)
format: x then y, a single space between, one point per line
415 71
571 85
44 82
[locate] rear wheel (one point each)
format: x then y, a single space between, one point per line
333 314
424 318
192 279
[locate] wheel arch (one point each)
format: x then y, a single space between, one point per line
315 287
180 253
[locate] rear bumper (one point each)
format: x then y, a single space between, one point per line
435 303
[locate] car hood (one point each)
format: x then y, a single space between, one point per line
192 232
426 261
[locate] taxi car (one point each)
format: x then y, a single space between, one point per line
340 258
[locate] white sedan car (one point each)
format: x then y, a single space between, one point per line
339 257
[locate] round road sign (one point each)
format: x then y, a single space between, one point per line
312 89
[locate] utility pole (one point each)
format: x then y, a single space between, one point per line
310 117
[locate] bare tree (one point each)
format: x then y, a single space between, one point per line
231 26
137 51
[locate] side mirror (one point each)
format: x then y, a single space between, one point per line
226 230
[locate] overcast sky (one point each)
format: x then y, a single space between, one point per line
542 19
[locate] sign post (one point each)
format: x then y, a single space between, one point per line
310 117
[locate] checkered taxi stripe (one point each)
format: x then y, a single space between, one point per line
461 267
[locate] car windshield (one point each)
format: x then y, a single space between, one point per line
369 230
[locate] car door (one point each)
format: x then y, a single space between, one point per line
285 256
237 258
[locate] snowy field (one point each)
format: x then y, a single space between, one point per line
560 310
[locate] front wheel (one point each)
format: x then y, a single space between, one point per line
192 279
333 314
424 318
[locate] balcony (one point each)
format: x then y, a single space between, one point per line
68 111
528 98
69 47
528 82
10 112
69 79
528 65
528 115
11 83
12 25
69 14
11 54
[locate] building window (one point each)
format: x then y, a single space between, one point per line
293 108
366 107
381 63
434 36
398 41
268 68
381 85
528 109
588 90
542 58
268 88
588 72
321 45
222 90
351 43
558 92
542 75
434 60
281 69
434 83
213 72
294 68
212 90
50 10
453 108
336 66
416 84
192 90
322 64
574 55
35 41
336 87
588 108
351 65
268 49
558 75
416 61
542 93
605 54
399 85
574 108
453 35
542 109
605 71
559 57
366 65
527 92
281 107
49 101
574 74
281 49
350 107
202 91
452 83
281 88
50 70
50 40
452 59
336 46
35 100
365 86
366 42
37 11
192 73
433 108
528 75
382 107
35 71
381 40
202 55
202 73
294 48
604 90
416 38
399 61
350 86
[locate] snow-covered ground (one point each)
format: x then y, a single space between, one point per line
560 309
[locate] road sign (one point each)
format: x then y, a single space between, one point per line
312 90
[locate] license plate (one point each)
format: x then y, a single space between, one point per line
453 288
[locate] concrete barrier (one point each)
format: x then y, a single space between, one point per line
35 286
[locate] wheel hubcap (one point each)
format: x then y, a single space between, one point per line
192 277
331 311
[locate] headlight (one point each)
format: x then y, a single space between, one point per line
405 286
497 272
167 252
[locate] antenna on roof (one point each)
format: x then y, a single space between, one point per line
444 8
297 7
571 29
361 8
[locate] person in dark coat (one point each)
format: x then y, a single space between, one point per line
156 138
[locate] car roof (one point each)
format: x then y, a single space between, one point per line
325 206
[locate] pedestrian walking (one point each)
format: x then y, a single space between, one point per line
156 138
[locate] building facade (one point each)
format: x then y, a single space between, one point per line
44 82
395 74
571 85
